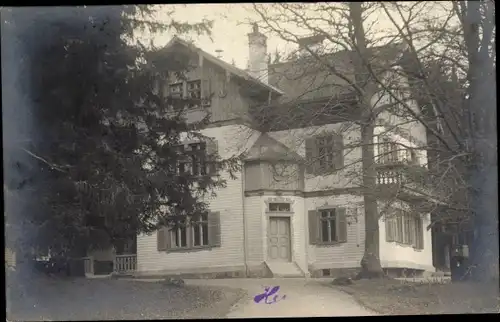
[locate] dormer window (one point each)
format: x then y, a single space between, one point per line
194 89
176 90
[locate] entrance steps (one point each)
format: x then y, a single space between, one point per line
284 269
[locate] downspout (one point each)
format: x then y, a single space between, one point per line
244 218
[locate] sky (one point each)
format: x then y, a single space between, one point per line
230 29
229 32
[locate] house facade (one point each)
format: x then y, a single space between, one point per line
296 208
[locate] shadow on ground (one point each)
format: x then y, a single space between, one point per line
107 299
395 297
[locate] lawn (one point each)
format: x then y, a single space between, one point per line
395 297
106 299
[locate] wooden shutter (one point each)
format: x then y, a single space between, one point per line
184 89
161 239
313 227
338 141
311 155
398 235
419 232
413 230
214 231
206 91
341 222
211 150
389 228
211 146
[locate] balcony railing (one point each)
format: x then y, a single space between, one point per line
405 175
125 263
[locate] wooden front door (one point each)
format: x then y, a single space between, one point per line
279 239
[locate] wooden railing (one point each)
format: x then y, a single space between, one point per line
125 263
88 264
403 174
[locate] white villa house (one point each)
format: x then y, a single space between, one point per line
296 208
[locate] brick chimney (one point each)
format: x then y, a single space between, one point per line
257 62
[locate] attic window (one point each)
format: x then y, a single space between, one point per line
194 89
176 90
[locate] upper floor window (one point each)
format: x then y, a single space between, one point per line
176 90
388 151
391 152
192 89
195 160
324 153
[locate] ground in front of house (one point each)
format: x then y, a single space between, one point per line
418 297
303 298
82 299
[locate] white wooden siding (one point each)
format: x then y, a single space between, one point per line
232 140
254 231
345 255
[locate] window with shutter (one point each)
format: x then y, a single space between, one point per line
311 158
161 239
389 229
199 230
339 152
405 228
179 236
341 225
328 150
197 159
328 226
206 94
214 229
313 227
177 90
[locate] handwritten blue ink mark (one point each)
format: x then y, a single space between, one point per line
267 293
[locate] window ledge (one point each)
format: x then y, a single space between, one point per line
406 246
190 249
330 244
287 213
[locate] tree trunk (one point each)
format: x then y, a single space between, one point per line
370 264
482 144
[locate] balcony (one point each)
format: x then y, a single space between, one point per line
408 181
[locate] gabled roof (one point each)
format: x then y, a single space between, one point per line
307 78
268 149
232 69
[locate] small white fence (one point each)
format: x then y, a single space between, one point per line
88 264
125 263
121 264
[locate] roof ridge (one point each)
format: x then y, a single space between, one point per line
235 70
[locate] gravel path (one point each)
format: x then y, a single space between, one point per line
106 299
304 298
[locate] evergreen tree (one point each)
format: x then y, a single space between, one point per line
101 162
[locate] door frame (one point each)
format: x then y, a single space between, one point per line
289 219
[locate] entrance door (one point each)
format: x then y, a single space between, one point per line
279 239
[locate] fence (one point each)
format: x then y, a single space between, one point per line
125 263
